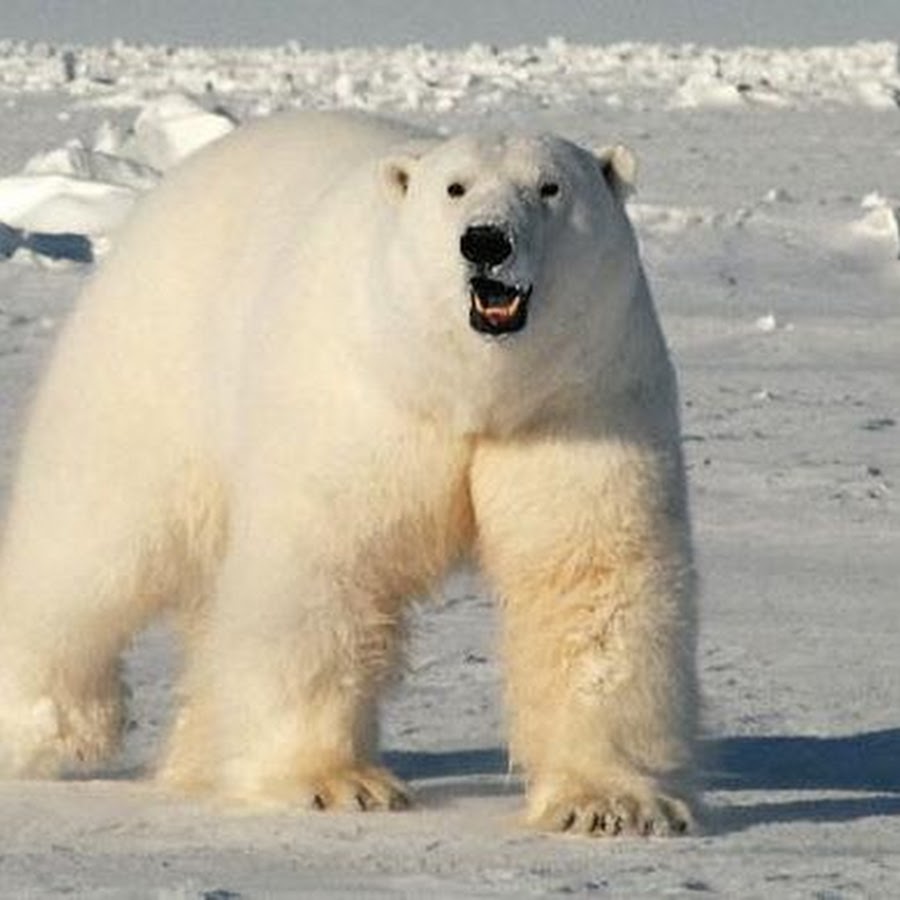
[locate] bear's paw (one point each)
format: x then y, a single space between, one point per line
608 811
362 789
350 789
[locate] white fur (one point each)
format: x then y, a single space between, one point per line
270 415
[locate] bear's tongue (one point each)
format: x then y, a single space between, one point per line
496 306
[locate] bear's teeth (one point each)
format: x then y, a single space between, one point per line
498 312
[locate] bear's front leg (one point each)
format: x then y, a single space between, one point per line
588 543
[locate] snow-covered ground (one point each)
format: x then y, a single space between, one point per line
767 210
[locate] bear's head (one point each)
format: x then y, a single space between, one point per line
513 253
507 218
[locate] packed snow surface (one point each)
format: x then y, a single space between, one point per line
767 209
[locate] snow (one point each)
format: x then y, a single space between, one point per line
475 78
88 191
767 210
55 203
170 129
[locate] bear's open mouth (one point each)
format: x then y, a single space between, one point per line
497 308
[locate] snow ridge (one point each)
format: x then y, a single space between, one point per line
475 79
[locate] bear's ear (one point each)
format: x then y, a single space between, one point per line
396 172
619 167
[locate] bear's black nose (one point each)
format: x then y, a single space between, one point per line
485 245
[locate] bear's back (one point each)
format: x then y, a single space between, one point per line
233 201
169 309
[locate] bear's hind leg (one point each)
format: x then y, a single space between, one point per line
74 588
281 695
327 541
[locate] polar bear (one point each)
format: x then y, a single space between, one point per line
328 357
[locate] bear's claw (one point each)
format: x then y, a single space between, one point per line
363 790
599 813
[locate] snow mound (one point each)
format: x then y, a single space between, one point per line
60 203
875 234
69 199
707 89
171 128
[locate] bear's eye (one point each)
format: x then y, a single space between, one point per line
455 189
549 189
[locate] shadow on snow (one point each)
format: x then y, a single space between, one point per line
868 763
859 762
